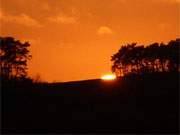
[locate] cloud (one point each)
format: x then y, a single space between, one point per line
22 19
104 30
62 18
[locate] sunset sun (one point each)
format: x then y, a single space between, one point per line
108 77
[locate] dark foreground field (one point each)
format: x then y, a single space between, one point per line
139 104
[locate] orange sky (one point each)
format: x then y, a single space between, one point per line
74 39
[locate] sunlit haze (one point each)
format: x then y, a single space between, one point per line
75 39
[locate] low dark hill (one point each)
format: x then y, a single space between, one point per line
134 104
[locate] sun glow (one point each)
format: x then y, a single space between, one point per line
108 77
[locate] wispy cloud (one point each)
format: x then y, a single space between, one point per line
62 18
104 30
21 19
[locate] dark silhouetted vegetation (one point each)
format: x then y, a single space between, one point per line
141 104
138 59
145 102
14 56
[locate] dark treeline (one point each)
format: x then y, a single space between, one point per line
130 59
139 59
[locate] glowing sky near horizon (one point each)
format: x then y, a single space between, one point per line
108 77
74 39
